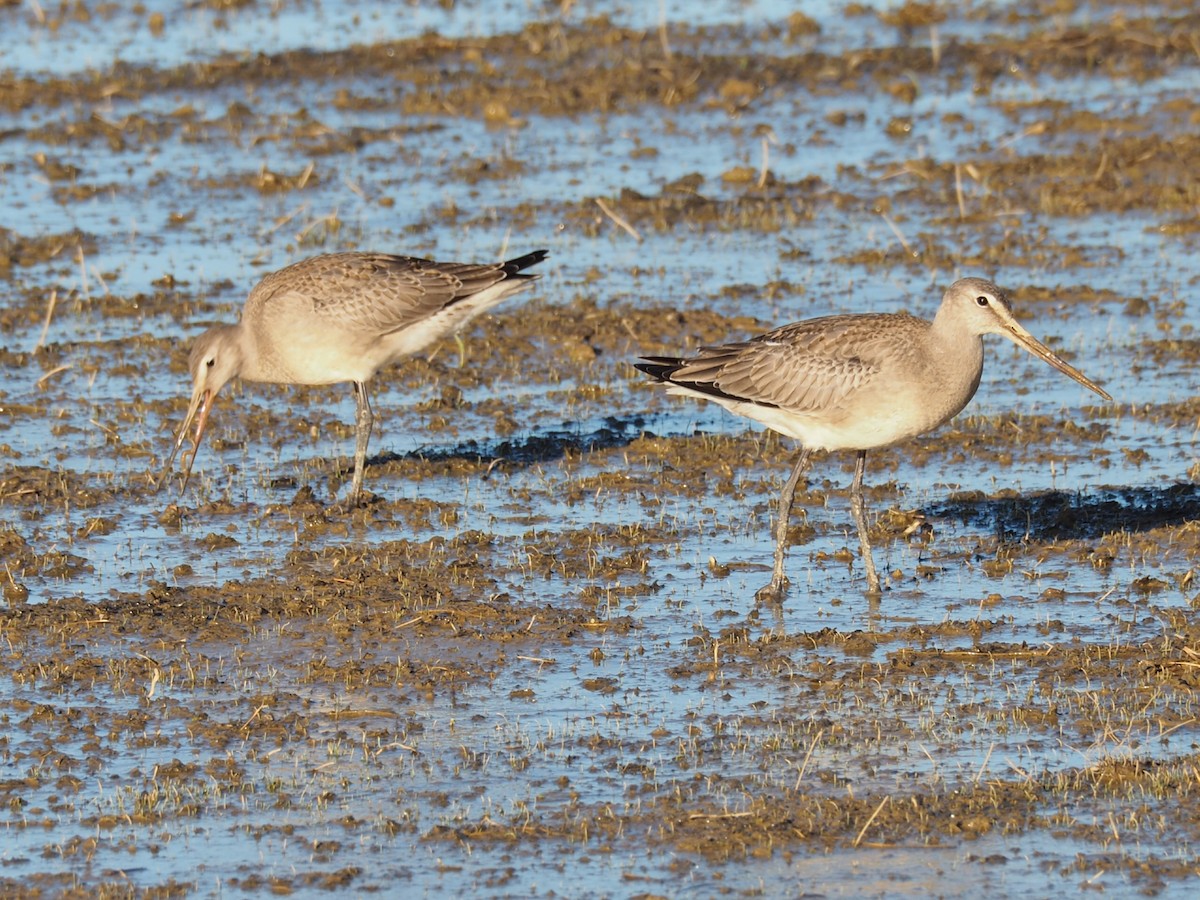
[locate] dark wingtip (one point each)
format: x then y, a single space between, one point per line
660 368
663 368
513 266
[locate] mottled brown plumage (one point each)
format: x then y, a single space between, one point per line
855 382
342 317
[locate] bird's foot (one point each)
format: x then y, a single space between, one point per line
772 593
355 500
874 588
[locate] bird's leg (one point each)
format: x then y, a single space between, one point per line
773 592
363 419
860 519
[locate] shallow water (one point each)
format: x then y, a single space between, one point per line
535 664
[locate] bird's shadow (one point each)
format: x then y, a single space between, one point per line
1070 515
1042 516
530 450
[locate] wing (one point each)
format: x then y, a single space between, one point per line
377 293
806 367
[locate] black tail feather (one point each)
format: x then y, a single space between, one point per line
513 266
660 368
663 368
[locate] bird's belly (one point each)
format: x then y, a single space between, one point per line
878 420
315 356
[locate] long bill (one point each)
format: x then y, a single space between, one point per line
1023 338
198 410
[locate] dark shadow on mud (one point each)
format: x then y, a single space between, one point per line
537 448
1064 515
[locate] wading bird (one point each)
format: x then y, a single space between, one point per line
854 382
341 317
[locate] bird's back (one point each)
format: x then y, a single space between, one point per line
372 292
342 316
838 382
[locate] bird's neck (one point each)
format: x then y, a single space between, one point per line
254 367
958 352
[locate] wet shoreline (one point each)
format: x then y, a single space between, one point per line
532 662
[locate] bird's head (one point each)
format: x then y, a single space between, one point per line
216 358
985 309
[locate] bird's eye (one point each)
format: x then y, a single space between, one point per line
211 361
981 300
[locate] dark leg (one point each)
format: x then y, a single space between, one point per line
363 419
773 592
860 519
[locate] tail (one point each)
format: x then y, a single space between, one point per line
513 266
660 368
480 288
508 279
664 368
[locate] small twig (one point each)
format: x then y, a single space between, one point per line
662 28
1034 129
878 810
983 766
905 169
1024 774
279 223
50 304
83 275
393 745
633 334
305 175
51 374
958 191
1163 734
899 236
107 429
354 188
440 611
324 220
261 707
804 765
604 208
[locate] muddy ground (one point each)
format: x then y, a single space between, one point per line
531 662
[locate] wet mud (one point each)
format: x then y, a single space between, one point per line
531 663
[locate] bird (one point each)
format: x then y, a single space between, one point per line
856 382
341 317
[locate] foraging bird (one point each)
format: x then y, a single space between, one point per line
342 317
855 382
